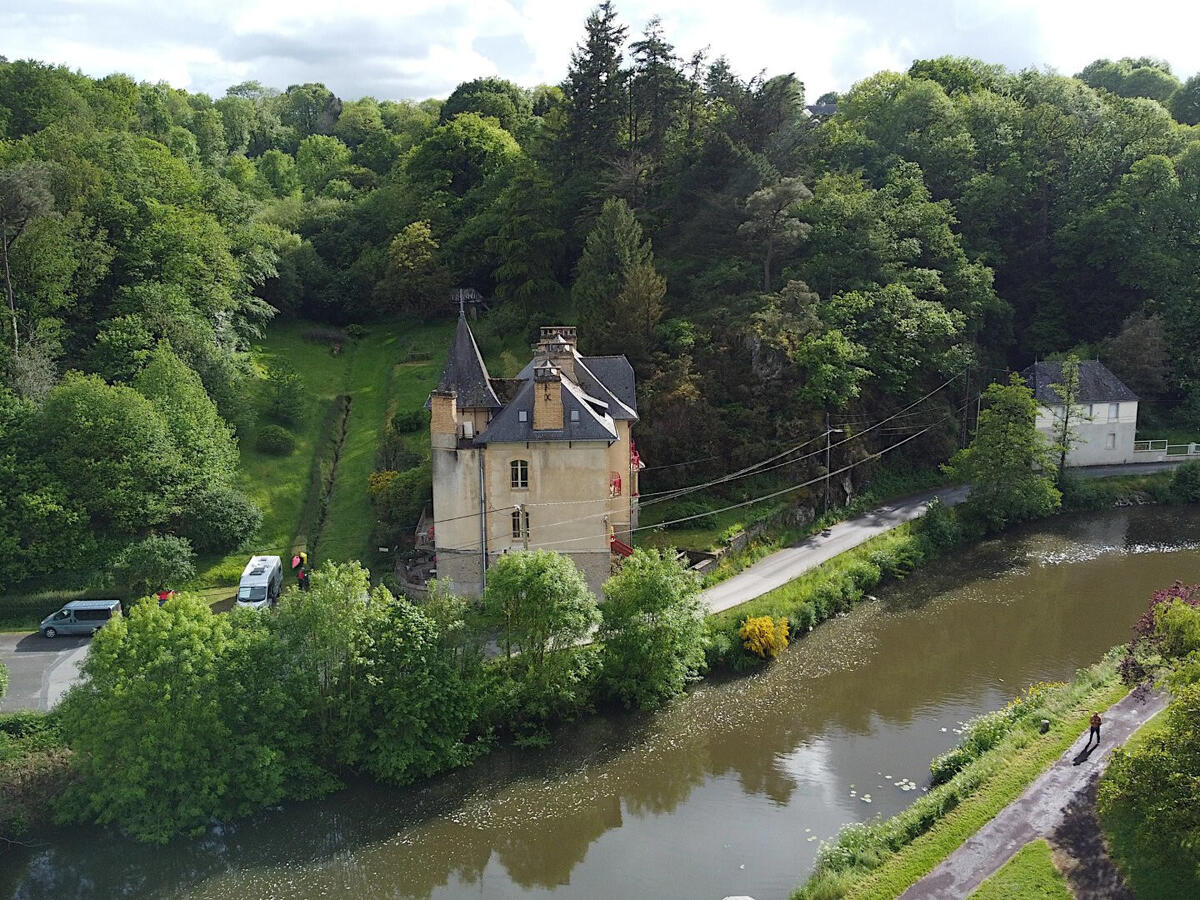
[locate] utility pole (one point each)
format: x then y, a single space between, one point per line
524 526
966 413
829 432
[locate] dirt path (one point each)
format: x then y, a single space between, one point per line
1038 812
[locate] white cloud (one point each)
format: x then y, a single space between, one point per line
420 48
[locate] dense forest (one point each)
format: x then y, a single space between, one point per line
762 264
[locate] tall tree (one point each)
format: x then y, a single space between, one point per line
614 249
24 196
1067 388
1007 461
773 218
595 91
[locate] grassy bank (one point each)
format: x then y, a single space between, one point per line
882 859
1030 875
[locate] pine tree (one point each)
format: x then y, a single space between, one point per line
617 293
595 91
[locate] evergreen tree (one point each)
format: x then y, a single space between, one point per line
614 250
595 92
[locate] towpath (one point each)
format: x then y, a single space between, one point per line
1038 811
784 565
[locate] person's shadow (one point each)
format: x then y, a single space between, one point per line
1083 754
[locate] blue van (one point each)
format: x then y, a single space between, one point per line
80 617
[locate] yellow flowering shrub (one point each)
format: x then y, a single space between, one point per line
764 636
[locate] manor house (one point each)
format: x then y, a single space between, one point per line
543 460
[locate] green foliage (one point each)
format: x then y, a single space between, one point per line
218 517
652 630
1148 802
495 97
152 564
285 394
1185 482
168 726
275 440
1006 460
3 679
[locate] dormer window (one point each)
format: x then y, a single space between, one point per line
574 415
522 415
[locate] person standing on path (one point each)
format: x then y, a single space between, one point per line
1095 731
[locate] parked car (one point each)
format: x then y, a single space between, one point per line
262 580
80 617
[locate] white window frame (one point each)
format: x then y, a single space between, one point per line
516 525
518 474
1114 412
1110 441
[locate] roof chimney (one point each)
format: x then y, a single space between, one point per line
557 343
547 397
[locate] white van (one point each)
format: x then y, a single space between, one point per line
262 580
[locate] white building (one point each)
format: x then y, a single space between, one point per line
1104 419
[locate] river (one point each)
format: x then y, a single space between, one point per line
728 791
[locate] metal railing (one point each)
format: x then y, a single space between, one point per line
1166 448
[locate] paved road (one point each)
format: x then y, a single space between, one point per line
1037 812
40 670
782 566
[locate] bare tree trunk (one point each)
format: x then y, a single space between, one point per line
12 303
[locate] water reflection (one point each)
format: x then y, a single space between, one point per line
725 792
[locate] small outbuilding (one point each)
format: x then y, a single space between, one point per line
1104 417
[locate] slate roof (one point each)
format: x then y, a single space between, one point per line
594 423
466 373
1096 383
607 378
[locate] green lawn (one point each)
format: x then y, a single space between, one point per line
1150 879
380 382
1030 875
373 372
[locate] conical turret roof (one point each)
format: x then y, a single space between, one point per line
465 372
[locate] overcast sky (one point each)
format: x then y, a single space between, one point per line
423 48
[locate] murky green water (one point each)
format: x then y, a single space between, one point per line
730 790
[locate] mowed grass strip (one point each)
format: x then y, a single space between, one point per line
280 485
380 382
1030 875
1012 771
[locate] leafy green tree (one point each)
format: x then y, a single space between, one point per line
115 451
652 630
529 244
310 109
1067 389
24 197
1006 463
595 92
279 171
423 707
176 722
491 97
414 281
773 219
358 121
152 564
1184 104
1152 787
328 634
204 440
319 159
540 603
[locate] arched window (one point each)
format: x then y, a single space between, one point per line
519 472
517 532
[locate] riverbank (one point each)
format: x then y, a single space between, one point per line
883 859
734 784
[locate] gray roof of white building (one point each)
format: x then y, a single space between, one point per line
1096 383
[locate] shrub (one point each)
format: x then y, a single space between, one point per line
275 440
355 331
764 636
3 679
285 393
218 517
159 561
1185 484
409 420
